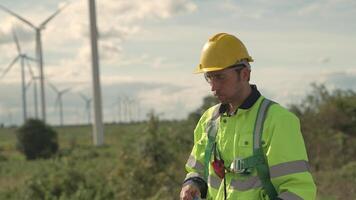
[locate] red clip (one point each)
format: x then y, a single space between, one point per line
219 168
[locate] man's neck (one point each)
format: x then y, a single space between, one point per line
245 93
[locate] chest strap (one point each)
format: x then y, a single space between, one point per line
258 160
212 129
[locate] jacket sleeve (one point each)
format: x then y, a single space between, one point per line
287 158
195 163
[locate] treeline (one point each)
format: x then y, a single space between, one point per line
328 120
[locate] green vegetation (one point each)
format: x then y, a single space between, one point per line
146 160
328 122
35 139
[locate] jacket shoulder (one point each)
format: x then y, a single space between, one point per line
278 112
207 115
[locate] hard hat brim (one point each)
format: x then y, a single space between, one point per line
199 70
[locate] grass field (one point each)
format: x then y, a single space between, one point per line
113 170
77 155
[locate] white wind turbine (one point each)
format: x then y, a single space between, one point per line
23 57
59 101
87 101
119 109
33 81
39 54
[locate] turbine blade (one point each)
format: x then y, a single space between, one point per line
29 68
53 87
28 84
43 24
30 58
17 16
9 67
83 96
16 41
66 90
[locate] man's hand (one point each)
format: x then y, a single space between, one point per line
189 191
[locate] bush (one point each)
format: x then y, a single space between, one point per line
61 181
35 139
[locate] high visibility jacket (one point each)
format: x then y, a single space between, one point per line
283 146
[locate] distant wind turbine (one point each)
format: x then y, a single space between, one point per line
33 81
120 109
22 58
39 54
87 106
59 101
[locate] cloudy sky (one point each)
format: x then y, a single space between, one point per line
148 50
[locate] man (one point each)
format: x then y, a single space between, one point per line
247 147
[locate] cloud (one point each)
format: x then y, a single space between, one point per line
328 8
340 79
117 20
10 24
330 15
324 60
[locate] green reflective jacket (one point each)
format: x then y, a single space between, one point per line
283 146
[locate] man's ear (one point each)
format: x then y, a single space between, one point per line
245 74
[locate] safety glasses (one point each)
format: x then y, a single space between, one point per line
222 75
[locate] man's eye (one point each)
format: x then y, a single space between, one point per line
220 77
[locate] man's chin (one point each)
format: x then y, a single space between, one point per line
221 99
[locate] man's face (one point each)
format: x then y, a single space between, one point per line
226 84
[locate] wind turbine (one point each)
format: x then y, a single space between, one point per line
125 109
33 81
22 58
59 101
39 54
119 109
87 106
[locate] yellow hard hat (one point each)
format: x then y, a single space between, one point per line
222 51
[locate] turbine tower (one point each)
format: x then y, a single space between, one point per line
23 57
59 101
39 54
98 126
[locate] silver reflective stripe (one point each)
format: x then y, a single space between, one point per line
253 182
214 182
289 196
193 163
275 171
213 124
193 174
216 112
289 168
212 128
259 123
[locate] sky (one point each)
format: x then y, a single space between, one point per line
149 49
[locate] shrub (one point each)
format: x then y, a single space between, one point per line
35 139
61 181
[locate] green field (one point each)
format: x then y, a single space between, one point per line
146 160
111 171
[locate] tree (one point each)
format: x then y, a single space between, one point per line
36 140
208 102
328 122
